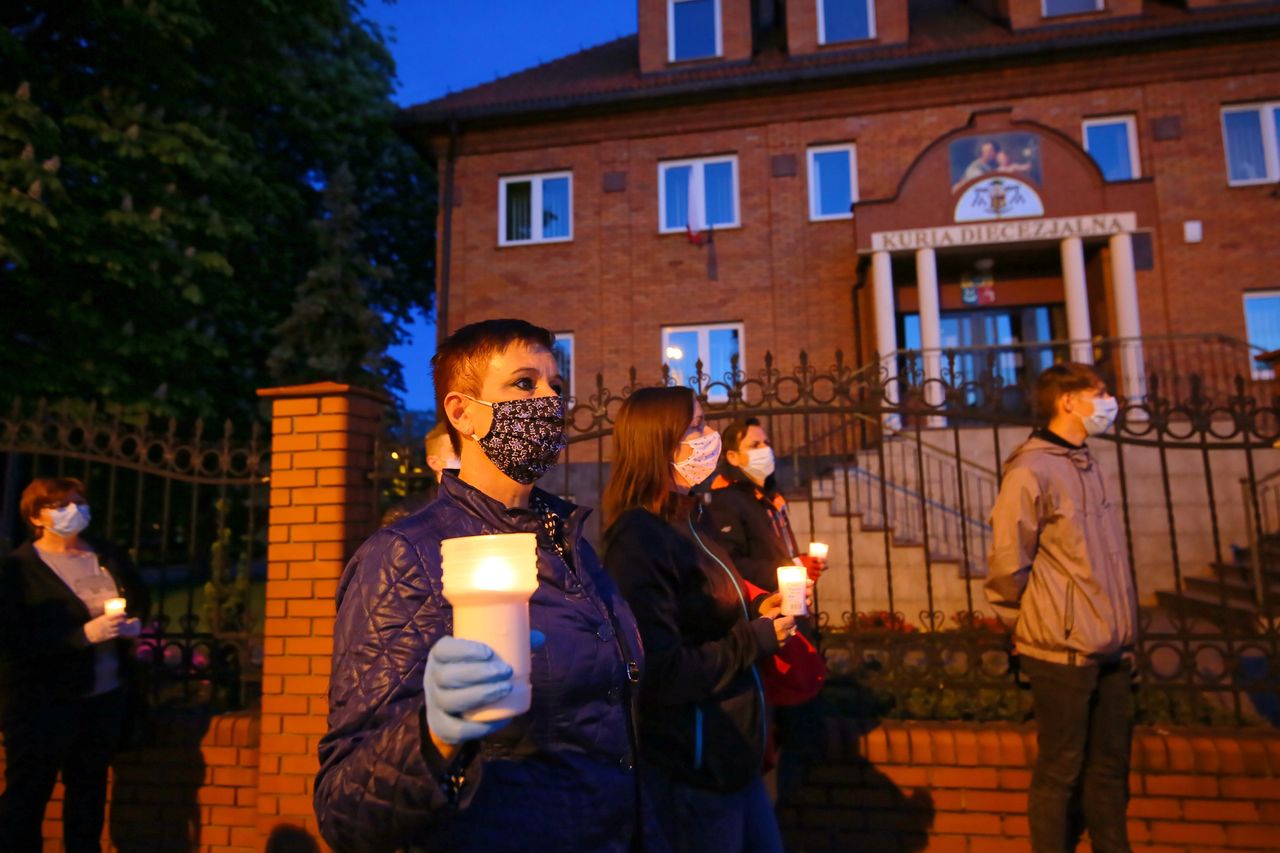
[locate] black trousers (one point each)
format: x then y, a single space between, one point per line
76 738
1084 727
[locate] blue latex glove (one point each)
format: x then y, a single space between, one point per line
462 675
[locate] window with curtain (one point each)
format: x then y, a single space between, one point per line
833 181
715 345
1053 8
535 209
845 20
1262 325
718 178
1249 137
693 29
1112 142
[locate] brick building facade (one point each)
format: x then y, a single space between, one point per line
767 109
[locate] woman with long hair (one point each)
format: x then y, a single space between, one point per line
703 719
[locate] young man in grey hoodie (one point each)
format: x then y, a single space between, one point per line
1060 579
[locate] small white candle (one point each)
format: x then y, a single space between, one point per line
113 606
792 583
818 549
488 581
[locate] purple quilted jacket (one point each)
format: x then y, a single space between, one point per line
561 777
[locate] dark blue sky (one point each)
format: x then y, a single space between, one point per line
447 45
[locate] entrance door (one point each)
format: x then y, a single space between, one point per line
1016 340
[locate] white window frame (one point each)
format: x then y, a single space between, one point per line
1258 371
814 214
1130 123
1270 144
535 207
671 33
697 163
822 23
704 331
573 360
1098 6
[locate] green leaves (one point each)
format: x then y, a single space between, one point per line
163 166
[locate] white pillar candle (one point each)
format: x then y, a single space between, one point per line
488 581
113 606
792 583
818 549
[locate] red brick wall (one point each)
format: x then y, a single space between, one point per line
322 507
1023 14
618 282
193 788
963 787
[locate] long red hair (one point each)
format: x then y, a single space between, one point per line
650 425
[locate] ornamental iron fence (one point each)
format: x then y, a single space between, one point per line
191 509
898 475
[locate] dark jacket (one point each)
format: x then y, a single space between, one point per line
751 523
44 655
561 777
702 714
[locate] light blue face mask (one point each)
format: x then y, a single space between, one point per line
70 519
1103 416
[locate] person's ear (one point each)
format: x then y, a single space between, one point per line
733 458
459 414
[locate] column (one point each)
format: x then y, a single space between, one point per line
1124 284
886 327
1077 297
322 507
930 329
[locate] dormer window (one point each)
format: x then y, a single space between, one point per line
845 20
1055 8
693 29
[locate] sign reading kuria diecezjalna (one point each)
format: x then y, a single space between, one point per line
1016 231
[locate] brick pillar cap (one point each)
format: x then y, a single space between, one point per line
323 389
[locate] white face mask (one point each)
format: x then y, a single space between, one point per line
760 464
700 464
70 519
1103 416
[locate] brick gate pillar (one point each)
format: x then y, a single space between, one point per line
322 507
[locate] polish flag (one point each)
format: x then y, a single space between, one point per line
697 207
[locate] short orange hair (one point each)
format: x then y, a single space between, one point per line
45 492
460 361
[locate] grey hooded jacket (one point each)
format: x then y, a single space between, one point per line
1059 574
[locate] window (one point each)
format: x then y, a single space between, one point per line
1249 135
712 181
833 181
693 29
1112 142
715 345
551 195
1262 325
845 20
1053 8
562 351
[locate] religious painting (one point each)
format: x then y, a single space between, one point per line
983 155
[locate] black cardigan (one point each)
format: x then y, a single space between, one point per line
44 655
702 714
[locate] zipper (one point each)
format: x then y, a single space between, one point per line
1069 614
746 614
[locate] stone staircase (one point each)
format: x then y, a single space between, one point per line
1229 596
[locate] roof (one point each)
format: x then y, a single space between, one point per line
941 32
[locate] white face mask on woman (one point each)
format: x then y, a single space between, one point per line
760 464
70 519
701 463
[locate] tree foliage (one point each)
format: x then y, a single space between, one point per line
163 210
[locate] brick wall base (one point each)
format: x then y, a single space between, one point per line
963 787
896 787
193 788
